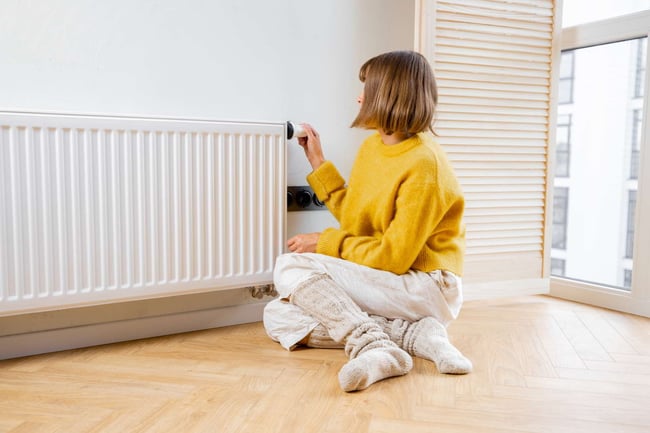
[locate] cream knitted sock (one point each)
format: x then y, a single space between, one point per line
373 356
426 338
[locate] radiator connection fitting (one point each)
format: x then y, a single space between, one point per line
258 292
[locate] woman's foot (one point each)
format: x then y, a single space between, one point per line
373 357
429 340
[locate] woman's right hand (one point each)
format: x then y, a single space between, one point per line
312 147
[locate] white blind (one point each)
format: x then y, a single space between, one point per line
492 61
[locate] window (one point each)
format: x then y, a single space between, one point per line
607 224
563 145
565 91
597 123
561 195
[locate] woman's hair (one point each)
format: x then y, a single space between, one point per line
400 93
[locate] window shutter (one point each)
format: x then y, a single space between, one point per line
492 61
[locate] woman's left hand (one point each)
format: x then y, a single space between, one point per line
303 243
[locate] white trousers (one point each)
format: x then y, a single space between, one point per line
411 296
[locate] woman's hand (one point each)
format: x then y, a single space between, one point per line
303 243
311 146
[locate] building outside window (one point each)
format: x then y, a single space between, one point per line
563 145
627 278
639 77
560 205
629 240
565 91
557 267
636 143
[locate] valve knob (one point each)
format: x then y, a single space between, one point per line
303 198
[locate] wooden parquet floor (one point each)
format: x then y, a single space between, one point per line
541 365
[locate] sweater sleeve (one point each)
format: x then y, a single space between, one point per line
419 207
329 187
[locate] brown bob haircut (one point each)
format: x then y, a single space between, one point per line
400 93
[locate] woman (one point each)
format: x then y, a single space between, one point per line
386 283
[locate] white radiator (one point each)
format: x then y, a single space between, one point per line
100 209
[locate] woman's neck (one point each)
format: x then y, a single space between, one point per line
393 138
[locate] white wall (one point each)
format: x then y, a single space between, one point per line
225 59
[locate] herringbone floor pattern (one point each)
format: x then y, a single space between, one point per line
541 365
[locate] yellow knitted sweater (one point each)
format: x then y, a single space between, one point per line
402 209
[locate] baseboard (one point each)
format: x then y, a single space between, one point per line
93 334
33 343
501 289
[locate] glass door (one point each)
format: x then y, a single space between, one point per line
599 230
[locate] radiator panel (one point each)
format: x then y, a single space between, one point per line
98 209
